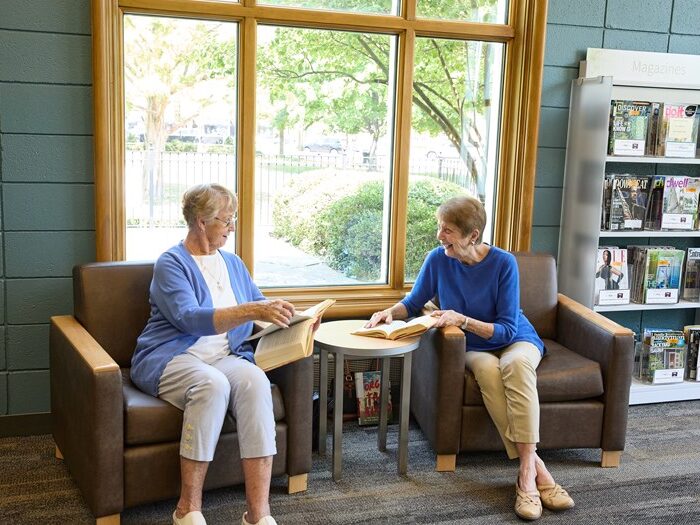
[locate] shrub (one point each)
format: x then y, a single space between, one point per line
341 221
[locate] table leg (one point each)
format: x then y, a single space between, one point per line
405 400
384 404
322 400
338 417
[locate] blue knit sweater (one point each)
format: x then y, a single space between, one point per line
182 311
488 291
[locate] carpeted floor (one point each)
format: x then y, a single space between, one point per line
658 483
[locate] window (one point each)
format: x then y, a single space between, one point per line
180 114
454 133
340 124
325 108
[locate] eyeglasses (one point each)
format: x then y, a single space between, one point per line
228 222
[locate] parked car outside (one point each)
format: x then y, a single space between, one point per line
324 145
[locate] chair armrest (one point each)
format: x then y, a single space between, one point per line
596 337
437 387
295 381
87 412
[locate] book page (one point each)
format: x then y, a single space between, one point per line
386 329
310 313
284 346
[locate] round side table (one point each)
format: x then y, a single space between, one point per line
335 337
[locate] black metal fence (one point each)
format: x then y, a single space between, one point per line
155 182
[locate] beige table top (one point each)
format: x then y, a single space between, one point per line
335 336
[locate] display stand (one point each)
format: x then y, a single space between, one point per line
607 75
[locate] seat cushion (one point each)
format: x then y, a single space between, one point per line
148 419
563 375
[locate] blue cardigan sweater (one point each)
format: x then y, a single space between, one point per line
488 291
182 311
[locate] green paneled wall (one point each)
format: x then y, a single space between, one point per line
572 26
46 184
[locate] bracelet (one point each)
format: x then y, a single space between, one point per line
464 325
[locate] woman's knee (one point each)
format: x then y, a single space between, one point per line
518 366
252 381
211 386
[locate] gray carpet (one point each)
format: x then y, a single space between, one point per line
658 483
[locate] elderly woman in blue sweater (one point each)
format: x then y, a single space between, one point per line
192 352
479 291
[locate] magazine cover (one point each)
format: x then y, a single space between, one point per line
605 205
663 275
656 202
611 275
692 338
691 275
653 125
679 130
628 127
368 390
680 206
628 203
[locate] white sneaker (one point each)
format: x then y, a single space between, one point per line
191 518
265 520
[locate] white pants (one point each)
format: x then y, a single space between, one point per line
205 392
508 382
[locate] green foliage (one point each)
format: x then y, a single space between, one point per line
178 145
341 221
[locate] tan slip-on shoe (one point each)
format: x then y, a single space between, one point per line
527 504
191 518
265 520
554 497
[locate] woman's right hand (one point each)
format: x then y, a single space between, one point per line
276 311
379 317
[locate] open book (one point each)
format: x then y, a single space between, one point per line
280 346
399 329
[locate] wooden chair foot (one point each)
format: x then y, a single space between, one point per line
58 453
298 483
610 458
446 462
113 519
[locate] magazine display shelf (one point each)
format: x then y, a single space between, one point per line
585 168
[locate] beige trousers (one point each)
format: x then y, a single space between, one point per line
508 384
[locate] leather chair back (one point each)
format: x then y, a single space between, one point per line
111 302
538 291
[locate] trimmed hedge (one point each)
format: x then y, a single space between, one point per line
341 221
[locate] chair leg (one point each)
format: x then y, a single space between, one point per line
611 458
298 483
58 453
446 462
114 519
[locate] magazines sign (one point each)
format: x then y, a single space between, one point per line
643 67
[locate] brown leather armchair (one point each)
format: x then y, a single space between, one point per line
583 382
121 445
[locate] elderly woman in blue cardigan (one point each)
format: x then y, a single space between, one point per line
479 291
193 354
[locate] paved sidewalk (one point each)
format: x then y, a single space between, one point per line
278 263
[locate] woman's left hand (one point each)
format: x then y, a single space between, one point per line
448 318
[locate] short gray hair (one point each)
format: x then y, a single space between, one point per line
206 201
467 213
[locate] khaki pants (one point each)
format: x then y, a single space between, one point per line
508 384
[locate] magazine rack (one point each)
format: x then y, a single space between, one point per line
616 75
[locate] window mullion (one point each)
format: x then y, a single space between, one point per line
245 162
401 168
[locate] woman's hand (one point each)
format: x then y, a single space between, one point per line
276 311
448 318
379 317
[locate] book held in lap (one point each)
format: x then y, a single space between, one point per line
279 346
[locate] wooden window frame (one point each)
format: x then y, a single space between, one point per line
524 39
